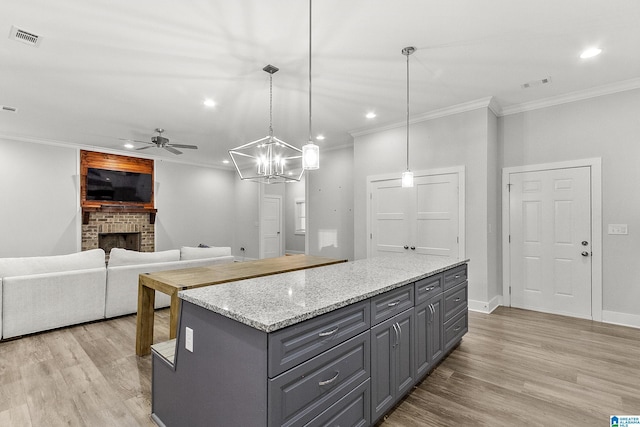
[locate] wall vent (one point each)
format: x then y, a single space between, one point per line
535 83
25 37
10 109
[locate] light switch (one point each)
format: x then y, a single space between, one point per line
618 229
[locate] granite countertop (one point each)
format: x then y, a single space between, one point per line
275 302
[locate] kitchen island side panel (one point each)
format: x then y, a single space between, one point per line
222 382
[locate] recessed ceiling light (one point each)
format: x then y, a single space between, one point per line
591 52
128 145
370 115
225 161
320 137
209 102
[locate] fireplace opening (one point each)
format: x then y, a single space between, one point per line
108 241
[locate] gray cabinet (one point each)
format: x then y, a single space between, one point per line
429 339
392 361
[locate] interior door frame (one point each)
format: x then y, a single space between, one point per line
595 165
460 170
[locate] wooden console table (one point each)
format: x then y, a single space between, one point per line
171 282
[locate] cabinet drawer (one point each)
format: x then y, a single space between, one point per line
454 329
454 300
387 305
351 410
455 276
428 287
293 345
304 392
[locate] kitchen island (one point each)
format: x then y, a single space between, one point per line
332 345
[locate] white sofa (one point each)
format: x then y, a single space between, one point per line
42 293
126 266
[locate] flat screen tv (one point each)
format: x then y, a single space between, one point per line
118 186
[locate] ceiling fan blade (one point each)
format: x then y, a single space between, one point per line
143 148
172 150
194 147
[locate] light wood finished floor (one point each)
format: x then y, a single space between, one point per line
514 367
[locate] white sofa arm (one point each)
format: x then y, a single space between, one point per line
38 302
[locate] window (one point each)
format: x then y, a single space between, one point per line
301 216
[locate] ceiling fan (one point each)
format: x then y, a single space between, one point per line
160 141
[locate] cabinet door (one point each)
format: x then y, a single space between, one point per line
429 342
435 338
392 361
383 372
404 353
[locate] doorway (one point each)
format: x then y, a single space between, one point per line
271 226
552 240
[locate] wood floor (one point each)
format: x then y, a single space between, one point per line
514 367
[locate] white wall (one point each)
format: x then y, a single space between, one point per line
607 127
454 140
39 205
195 205
330 199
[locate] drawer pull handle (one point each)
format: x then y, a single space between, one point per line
457 328
393 304
329 381
430 288
329 333
457 276
457 299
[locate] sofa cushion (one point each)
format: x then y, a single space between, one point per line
11 267
119 256
187 252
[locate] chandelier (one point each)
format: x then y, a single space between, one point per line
268 160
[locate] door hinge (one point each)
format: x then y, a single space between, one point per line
457 239
371 235
509 187
509 238
509 290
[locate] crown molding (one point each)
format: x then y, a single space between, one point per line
488 102
34 140
608 89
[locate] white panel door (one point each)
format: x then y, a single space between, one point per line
550 247
436 215
390 217
423 219
271 226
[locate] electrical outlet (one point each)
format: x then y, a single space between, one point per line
188 339
618 229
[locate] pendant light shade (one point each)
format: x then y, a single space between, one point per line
407 176
310 151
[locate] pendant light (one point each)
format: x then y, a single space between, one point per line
407 176
268 160
310 151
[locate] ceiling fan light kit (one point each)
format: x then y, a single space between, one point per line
159 141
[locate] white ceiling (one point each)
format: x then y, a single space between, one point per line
110 69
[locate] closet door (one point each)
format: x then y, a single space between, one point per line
390 217
435 215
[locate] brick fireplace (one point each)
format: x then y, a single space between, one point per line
127 230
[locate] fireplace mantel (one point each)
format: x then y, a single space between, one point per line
86 211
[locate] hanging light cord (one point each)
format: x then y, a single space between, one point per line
310 69
408 111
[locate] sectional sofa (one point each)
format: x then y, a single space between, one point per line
42 293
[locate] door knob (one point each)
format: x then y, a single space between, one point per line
585 243
413 248
406 247
585 253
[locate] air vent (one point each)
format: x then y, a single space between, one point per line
535 83
9 109
24 37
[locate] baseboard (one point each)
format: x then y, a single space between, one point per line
294 253
242 258
623 319
485 306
